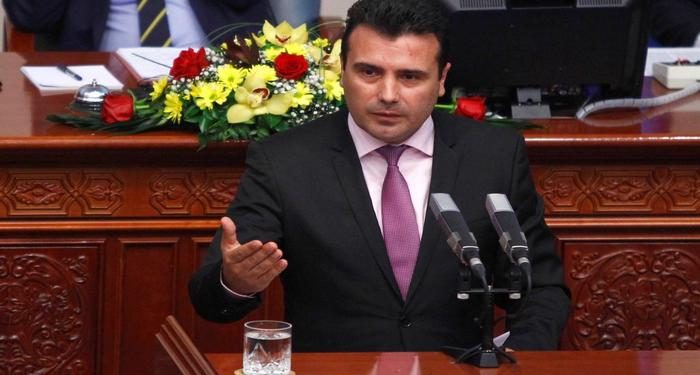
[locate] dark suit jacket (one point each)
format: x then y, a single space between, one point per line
77 25
675 23
305 189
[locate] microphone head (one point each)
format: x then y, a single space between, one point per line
442 202
504 220
497 203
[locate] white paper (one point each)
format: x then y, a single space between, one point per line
498 341
149 62
662 55
49 79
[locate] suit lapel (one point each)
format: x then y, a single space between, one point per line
349 171
444 175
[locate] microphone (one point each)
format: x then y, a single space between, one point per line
511 237
459 238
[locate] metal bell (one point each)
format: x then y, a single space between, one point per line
91 96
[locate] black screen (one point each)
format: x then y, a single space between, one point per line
573 50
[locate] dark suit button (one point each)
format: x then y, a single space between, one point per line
406 322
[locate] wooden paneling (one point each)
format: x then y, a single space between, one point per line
621 190
116 192
148 278
633 294
49 303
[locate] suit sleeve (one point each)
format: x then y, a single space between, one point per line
255 210
539 324
36 15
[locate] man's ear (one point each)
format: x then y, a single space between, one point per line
443 77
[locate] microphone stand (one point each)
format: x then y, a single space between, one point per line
486 354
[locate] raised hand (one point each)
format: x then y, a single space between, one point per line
250 267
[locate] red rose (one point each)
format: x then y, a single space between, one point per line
117 107
472 107
291 66
189 64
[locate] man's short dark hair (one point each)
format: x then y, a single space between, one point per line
394 18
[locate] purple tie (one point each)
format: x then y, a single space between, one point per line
398 219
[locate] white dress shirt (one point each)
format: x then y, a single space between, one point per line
122 28
415 164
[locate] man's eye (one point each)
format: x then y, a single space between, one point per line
369 72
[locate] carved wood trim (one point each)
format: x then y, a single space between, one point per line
52 193
101 193
634 295
48 295
177 192
624 190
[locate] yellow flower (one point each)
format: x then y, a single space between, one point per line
315 52
331 61
253 99
331 82
229 76
320 42
283 34
173 107
207 93
272 53
251 104
260 75
158 87
302 96
295 49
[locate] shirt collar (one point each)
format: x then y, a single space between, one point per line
365 143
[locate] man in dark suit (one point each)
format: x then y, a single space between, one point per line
310 208
676 23
79 25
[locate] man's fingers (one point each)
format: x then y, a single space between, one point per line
229 239
274 271
249 267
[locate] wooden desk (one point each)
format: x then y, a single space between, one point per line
529 363
99 233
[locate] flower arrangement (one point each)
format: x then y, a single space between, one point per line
244 89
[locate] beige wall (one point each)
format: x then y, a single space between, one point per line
335 8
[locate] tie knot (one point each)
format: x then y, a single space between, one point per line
392 153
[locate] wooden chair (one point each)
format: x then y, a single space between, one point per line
17 41
182 352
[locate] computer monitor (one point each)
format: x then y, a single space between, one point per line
561 53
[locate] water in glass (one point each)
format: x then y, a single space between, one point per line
267 353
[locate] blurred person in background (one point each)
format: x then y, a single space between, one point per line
106 25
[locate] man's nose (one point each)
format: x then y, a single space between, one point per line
389 91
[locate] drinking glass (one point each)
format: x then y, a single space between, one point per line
267 347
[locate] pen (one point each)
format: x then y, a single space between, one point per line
150 60
69 72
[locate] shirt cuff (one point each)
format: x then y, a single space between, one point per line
231 292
